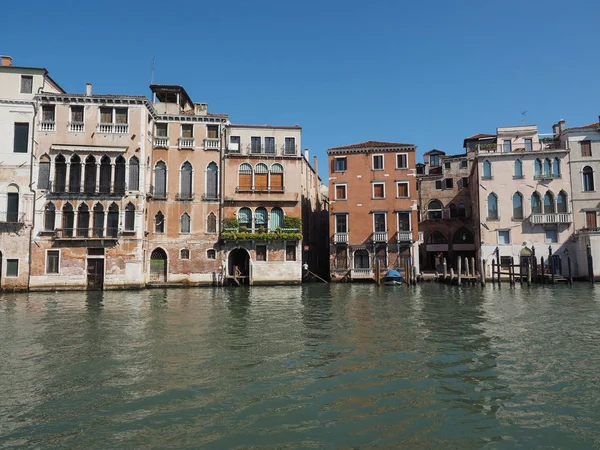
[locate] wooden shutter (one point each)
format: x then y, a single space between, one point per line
402 190
277 182
44 175
586 148
340 192
211 181
21 137
245 181
378 190
134 174
260 181
590 219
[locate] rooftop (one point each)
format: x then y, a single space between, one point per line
277 127
371 144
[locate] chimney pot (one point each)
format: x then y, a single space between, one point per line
88 89
6 60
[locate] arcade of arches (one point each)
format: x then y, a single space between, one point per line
440 244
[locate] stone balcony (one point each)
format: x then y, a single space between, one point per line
550 218
380 236
161 142
404 236
186 143
340 238
212 144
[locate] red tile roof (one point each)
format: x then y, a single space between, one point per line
591 125
480 136
282 127
371 144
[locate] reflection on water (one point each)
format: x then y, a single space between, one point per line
310 367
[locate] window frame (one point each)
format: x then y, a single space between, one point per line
550 241
25 125
451 180
439 185
208 252
385 221
188 254
592 176
407 183
377 155
48 252
498 234
289 142
588 144
23 78
346 222
266 254
335 163
287 247
377 183
10 261
405 155
335 193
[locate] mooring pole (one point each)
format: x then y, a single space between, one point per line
499 265
445 267
570 270
528 274
590 262
459 270
551 263
511 272
543 274
493 271
534 261
482 271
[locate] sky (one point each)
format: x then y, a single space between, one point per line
428 73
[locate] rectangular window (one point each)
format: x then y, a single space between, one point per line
48 113
403 221
590 219
586 148
26 84
340 192
77 114
212 131
161 130
121 116
378 190
290 146
449 183
341 223
270 145
106 115
52 258
402 189
340 164
401 161
464 164
505 262
261 252
235 143
551 236
438 184
528 145
434 160
503 236
187 131
447 165
12 267
507 146
290 252
465 182
379 222
255 146
377 162
21 138
420 169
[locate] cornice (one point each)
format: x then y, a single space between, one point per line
371 150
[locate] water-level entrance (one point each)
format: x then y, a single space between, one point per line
238 266
158 266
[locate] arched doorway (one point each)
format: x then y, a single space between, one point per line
525 259
158 266
238 265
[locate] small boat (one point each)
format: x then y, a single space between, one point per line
393 278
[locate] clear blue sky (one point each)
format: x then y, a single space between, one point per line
423 72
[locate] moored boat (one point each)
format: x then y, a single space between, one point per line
392 278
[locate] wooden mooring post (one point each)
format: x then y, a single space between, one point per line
528 274
511 272
543 274
570 270
458 268
467 268
590 263
493 271
551 262
482 272
378 272
445 268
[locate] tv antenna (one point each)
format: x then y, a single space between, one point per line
523 114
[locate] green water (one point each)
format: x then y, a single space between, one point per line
337 366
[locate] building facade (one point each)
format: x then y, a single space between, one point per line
18 111
373 208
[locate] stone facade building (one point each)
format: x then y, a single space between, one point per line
373 208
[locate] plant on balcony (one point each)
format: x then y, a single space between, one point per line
278 234
549 139
231 222
292 222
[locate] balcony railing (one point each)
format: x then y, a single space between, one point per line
277 190
255 149
212 144
421 236
113 128
380 236
76 127
547 176
289 150
361 274
551 218
47 125
86 233
184 197
405 236
548 144
161 142
186 143
152 192
12 217
594 230
340 238
57 189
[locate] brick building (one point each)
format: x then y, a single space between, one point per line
373 208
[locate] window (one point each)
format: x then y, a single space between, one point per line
185 189
507 145
590 219
453 211
276 177
377 162
528 145
449 183
83 220
561 203
517 206
12 267
68 220
160 179
119 182
99 220
211 253
402 189
44 173
159 223
434 210
212 131
361 259
112 221
492 205
49 217
401 161
465 182
503 236
48 115
52 258
107 115
60 174
434 160
130 217
551 236
260 218
379 224
245 176
12 204
89 180
438 184
588 179
120 115
270 145
464 164
161 130
276 219
556 168
261 177
211 223
340 192
505 262
378 190
586 148
75 174
447 165
420 169
105 175
77 115
549 203
185 223
184 253
21 139
290 252
245 218
547 168
255 144
290 146
487 170
261 252
536 203
340 164
341 223
26 84
187 131
234 143
537 169
462 212
134 174
518 172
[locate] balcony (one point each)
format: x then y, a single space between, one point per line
187 197
157 194
210 197
12 217
74 234
543 145
48 125
380 236
88 189
266 190
404 236
361 274
186 143
588 231
76 127
212 144
260 233
289 150
113 128
340 238
161 142
551 218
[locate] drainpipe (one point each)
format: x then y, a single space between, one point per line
221 193
34 105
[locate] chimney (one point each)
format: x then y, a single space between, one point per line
556 129
316 165
306 154
88 89
6 60
561 125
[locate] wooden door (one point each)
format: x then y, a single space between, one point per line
95 274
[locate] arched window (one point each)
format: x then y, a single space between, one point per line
556 168
361 259
160 179
185 223
120 175
75 174
159 223
130 217
276 219
547 168
245 218
462 212
276 177
260 218
518 173
561 202
98 220
68 219
463 236
83 220
211 223
549 203
105 175
437 237
487 170
453 211
588 179
492 206
44 173
12 206
211 253
184 253
261 174
134 174
89 182
536 203
434 210
517 201
537 168
185 190
49 216
212 181
112 221
60 174
245 177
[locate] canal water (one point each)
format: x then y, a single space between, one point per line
318 366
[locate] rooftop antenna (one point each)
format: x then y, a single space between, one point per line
152 79
523 114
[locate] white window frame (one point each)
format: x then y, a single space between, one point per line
398 220
346 218
385 219
189 254
373 190
211 259
373 161
498 237
181 130
18 268
46 261
405 155
71 112
407 190
593 178
114 116
284 146
335 185
335 159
